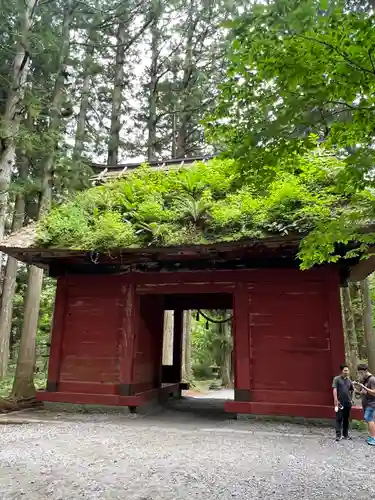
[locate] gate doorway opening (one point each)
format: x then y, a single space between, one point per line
196 347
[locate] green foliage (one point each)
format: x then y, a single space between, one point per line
208 344
43 333
201 352
201 339
295 70
301 77
205 203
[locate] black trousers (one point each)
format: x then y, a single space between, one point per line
342 421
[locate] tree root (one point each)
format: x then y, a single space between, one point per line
9 405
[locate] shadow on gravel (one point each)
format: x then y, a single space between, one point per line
210 409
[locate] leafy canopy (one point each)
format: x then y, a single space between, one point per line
299 72
302 76
202 204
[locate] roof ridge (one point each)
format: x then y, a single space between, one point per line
108 172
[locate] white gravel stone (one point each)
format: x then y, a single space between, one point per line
179 455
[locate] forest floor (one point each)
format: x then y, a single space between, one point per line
181 453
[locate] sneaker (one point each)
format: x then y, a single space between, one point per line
338 438
371 441
348 438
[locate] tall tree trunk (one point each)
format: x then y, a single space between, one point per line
168 338
6 308
79 143
117 95
226 367
152 118
349 329
174 110
23 385
368 326
357 308
2 274
188 69
186 371
12 116
80 135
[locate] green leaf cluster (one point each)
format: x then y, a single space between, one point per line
205 203
299 72
301 78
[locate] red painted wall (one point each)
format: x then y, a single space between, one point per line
288 342
294 343
104 336
89 360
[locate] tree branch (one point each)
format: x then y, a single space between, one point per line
342 54
350 106
371 59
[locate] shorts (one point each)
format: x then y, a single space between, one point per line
369 414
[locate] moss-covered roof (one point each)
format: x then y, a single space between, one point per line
208 204
23 239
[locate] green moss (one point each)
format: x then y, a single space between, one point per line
359 425
208 202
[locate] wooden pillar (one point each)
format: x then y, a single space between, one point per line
335 327
57 334
157 330
177 344
168 338
127 337
242 343
172 373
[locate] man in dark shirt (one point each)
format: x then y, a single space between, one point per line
367 391
343 400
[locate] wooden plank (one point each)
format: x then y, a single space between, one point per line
275 276
299 321
292 397
78 398
262 277
92 348
89 399
94 290
264 341
298 371
184 288
89 373
89 387
287 410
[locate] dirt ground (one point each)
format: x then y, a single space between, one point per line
186 452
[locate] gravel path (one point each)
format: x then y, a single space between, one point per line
223 394
179 455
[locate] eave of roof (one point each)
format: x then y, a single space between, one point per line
24 247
